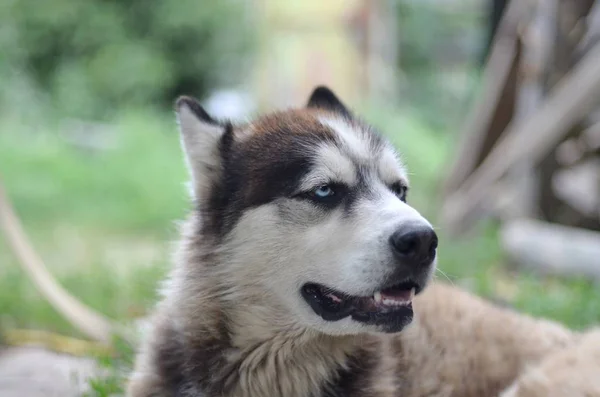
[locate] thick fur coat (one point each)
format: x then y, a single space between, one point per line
239 315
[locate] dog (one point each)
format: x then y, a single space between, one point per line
303 271
572 372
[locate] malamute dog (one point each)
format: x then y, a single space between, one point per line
301 267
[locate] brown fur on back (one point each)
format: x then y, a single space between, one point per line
573 371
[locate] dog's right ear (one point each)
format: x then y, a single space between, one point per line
202 141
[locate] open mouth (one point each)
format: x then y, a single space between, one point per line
390 308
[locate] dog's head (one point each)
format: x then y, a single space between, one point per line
308 211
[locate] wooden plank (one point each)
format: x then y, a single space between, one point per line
552 249
570 27
538 50
499 72
571 99
592 33
522 180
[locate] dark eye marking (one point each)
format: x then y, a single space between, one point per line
327 195
400 190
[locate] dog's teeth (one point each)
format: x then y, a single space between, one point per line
412 294
334 298
377 297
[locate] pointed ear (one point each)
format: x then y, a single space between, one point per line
201 139
322 97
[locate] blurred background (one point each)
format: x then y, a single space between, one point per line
491 103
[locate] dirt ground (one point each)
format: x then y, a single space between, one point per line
35 372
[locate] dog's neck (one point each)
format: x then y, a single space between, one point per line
294 363
241 355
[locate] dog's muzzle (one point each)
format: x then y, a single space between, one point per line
390 306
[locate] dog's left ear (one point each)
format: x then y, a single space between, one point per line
204 141
322 97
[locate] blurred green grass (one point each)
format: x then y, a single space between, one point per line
103 222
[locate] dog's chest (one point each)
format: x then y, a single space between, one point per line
368 370
371 372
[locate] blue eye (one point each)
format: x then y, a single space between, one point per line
323 191
326 196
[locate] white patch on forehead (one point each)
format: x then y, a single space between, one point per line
356 142
330 165
390 167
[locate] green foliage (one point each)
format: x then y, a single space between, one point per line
117 367
94 56
437 49
428 33
135 186
101 221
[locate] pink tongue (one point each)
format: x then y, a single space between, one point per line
399 295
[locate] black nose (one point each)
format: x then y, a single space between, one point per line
415 244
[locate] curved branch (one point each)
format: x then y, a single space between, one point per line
82 317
